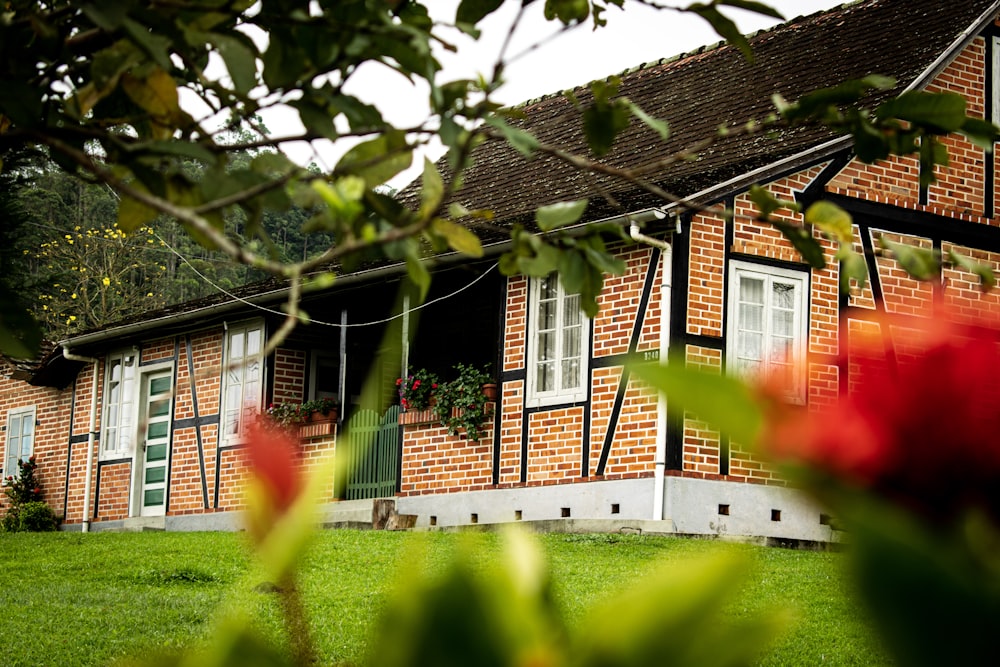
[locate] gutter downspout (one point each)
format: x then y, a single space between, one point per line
666 268
91 436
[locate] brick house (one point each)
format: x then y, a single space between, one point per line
573 435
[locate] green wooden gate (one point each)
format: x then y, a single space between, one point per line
373 451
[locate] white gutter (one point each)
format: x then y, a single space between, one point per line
91 435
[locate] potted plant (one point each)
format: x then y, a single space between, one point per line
320 409
417 389
461 403
286 414
289 414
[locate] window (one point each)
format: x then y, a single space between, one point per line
20 439
557 365
244 377
118 422
767 324
995 83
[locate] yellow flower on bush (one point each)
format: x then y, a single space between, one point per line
106 281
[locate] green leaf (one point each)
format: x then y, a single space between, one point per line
807 246
567 11
560 214
378 160
724 27
940 113
133 214
832 220
852 266
751 6
474 11
722 401
980 132
602 123
524 142
151 41
767 203
240 61
986 278
459 238
680 615
419 275
20 335
920 263
661 127
432 188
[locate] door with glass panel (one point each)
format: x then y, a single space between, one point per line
154 441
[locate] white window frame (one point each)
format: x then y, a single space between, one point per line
119 415
738 270
18 417
995 92
237 388
533 396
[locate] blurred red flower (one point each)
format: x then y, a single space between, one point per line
273 456
924 432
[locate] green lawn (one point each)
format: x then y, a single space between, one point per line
72 599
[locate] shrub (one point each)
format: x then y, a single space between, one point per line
27 511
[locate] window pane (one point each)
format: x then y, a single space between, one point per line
782 322
549 288
547 315
156 430
751 318
752 290
781 349
750 346
782 295
115 370
546 346
159 385
27 427
236 346
111 440
571 343
546 376
253 342
571 310
571 374
156 453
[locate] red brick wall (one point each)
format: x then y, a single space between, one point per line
435 462
52 413
289 376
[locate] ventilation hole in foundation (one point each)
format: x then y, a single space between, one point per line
434 520
473 518
775 515
825 520
517 515
564 512
615 508
723 510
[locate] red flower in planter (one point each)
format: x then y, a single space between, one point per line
925 434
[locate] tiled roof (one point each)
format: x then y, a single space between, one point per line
715 86
696 93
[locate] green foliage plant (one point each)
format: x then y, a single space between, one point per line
462 402
26 510
289 414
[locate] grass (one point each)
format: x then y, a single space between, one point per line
72 599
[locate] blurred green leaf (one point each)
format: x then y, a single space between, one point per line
920 263
459 238
986 278
676 616
522 141
559 214
724 402
804 242
834 221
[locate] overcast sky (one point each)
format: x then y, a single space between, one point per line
632 37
